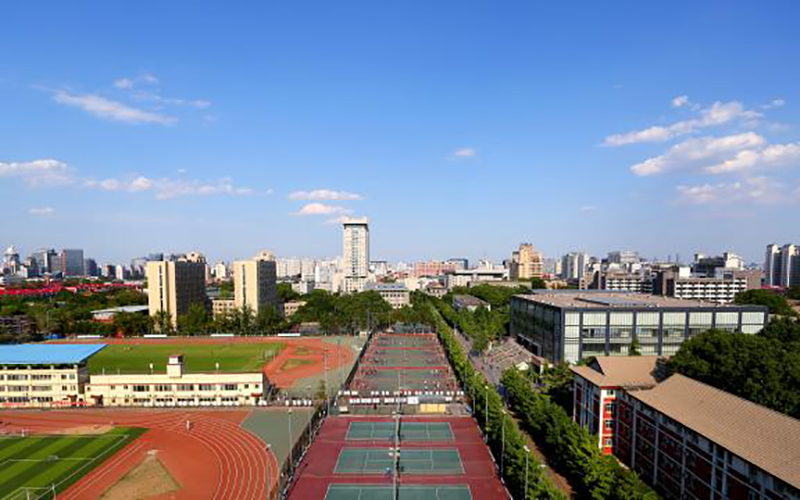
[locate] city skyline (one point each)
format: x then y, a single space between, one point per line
456 131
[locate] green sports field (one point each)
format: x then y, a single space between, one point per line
136 358
30 466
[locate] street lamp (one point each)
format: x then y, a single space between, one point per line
269 447
486 413
291 441
527 454
503 439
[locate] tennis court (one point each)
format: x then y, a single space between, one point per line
439 461
405 492
409 431
405 361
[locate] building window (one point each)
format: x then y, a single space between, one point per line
141 388
163 388
608 442
229 387
207 387
609 424
609 407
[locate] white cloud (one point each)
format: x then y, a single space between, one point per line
322 209
108 109
749 159
680 101
124 83
692 152
775 103
44 172
165 188
714 115
41 211
759 190
588 208
464 153
324 195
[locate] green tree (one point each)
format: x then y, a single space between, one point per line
196 321
269 321
132 324
286 293
635 348
538 283
163 323
776 303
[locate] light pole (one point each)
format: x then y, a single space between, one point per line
503 439
269 447
527 454
291 442
486 413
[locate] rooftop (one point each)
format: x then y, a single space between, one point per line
386 286
765 438
620 371
604 299
47 354
127 309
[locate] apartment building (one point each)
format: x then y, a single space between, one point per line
782 266
355 254
178 388
44 375
623 282
255 283
569 325
598 385
526 263
221 307
720 287
173 286
692 441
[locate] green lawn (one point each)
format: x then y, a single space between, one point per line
30 466
197 357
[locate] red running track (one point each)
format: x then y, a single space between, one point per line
216 459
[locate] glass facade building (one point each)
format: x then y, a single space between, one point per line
573 325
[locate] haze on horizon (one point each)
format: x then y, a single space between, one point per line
458 128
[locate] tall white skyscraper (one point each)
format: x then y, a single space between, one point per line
355 254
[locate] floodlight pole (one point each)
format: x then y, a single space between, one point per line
527 454
291 442
503 439
269 446
486 413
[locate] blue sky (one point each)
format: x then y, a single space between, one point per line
460 128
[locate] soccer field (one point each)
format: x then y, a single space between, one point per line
136 358
33 467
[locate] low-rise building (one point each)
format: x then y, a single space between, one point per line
107 315
178 388
466 276
720 287
44 375
291 307
623 282
220 307
470 303
396 294
598 385
569 325
690 440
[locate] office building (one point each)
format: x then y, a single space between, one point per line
782 266
693 441
574 265
597 386
355 254
526 263
44 375
459 263
705 265
620 281
467 277
623 258
178 388
255 283
433 268
720 287
221 307
173 286
396 294
72 262
570 325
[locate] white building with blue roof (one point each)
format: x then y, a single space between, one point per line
44 375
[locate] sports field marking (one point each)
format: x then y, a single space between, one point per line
199 357
444 461
409 431
33 467
338 491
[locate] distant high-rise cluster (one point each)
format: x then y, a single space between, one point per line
782 266
526 263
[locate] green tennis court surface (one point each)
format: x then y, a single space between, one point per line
32 467
442 461
405 492
409 374
409 431
406 361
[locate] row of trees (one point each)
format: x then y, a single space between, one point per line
571 449
763 368
776 303
504 436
